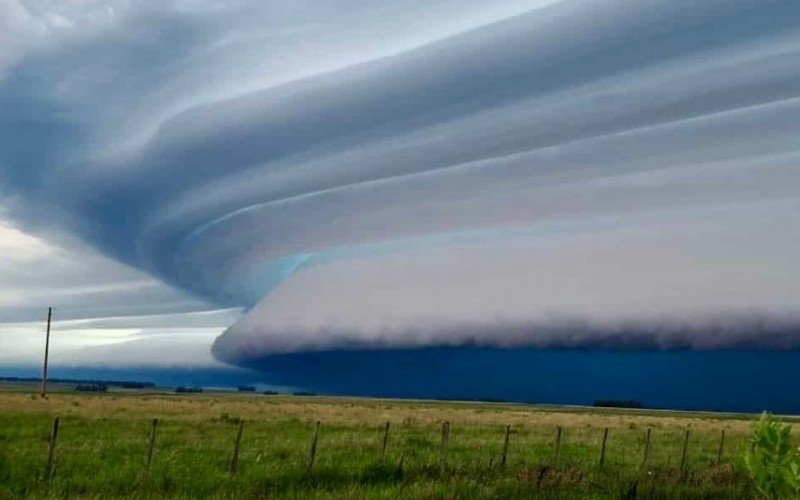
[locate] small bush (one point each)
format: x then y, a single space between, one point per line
773 464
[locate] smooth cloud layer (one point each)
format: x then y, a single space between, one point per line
586 172
179 340
158 327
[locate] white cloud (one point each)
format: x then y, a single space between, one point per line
173 340
80 284
18 247
668 280
36 273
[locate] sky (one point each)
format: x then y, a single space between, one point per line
204 183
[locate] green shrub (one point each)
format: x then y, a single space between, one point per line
772 463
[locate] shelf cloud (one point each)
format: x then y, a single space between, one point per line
578 173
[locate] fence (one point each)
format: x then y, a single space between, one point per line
384 442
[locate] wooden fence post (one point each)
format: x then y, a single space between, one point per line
151 447
557 450
603 448
504 460
312 452
646 447
385 441
51 450
685 446
237 444
443 446
721 445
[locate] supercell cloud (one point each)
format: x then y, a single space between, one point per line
361 175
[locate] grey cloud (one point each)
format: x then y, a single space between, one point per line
313 157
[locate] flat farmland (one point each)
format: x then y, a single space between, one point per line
433 449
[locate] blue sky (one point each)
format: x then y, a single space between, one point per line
322 175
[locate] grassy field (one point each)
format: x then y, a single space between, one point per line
103 439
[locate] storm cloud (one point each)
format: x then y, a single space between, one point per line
361 175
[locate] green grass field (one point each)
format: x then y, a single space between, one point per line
103 441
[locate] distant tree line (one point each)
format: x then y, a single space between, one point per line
91 388
188 390
125 384
617 403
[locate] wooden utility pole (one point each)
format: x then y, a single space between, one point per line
46 352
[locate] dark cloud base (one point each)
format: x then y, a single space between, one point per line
725 380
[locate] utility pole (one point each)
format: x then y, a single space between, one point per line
46 352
